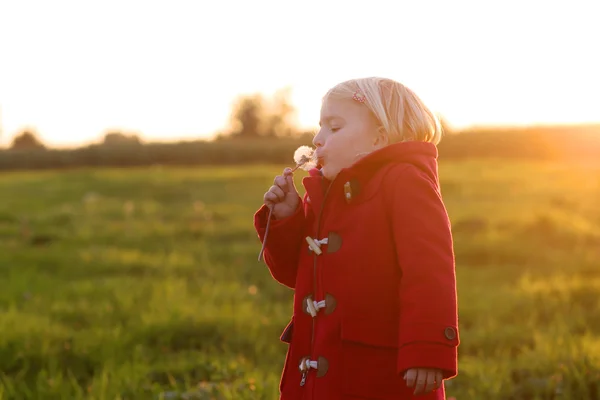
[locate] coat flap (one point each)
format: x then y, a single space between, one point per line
286 335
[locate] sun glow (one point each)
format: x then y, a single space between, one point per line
73 70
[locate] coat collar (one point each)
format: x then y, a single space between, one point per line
351 181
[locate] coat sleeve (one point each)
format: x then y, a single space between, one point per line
283 243
428 332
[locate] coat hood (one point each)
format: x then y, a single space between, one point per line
421 155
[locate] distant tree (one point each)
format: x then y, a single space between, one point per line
116 138
247 116
253 116
278 121
27 139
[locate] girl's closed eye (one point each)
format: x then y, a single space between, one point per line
334 129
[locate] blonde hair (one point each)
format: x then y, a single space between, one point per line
398 110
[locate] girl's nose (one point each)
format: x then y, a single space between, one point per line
318 140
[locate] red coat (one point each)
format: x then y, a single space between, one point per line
386 274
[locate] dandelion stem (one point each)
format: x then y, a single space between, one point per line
262 249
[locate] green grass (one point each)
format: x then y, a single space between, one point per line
129 284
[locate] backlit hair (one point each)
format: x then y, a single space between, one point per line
398 110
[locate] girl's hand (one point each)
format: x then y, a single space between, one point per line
283 196
424 380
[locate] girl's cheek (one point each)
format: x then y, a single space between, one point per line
330 141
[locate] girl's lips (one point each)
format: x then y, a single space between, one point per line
320 161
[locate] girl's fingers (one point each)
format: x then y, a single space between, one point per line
410 377
288 175
438 379
281 182
421 381
430 383
271 198
278 192
424 380
290 183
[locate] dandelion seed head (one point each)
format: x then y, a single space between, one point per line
305 157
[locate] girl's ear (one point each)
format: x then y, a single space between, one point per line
381 139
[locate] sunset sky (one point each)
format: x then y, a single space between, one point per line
171 69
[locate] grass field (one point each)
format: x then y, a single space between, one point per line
144 283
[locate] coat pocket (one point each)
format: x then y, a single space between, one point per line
370 358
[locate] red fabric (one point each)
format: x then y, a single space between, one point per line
284 236
392 277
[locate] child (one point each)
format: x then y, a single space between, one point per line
368 252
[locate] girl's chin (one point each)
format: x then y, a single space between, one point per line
328 173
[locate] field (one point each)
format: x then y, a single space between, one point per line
144 283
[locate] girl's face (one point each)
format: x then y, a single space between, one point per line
348 132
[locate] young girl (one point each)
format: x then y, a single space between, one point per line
368 251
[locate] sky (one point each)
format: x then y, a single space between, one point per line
171 69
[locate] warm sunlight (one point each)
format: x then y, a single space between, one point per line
73 69
162 237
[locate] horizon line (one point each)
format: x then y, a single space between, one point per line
5 144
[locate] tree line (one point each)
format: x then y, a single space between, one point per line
253 116
263 131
